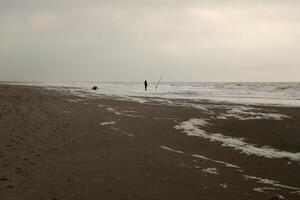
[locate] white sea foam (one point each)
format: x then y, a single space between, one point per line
114 128
131 115
223 185
211 170
128 134
67 111
130 111
122 114
191 128
75 100
265 189
248 113
273 183
107 123
262 190
280 196
113 111
216 161
201 157
170 149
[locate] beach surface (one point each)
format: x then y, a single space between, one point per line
58 145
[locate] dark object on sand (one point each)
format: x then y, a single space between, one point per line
94 88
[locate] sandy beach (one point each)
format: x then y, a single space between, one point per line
55 145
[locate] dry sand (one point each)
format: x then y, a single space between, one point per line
59 146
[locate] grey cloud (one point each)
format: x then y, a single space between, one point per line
132 40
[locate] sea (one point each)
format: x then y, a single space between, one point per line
255 93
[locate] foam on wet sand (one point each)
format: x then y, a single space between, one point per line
211 170
192 128
107 123
250 113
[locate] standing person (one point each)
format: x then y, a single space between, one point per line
146 85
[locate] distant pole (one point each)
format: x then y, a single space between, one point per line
160 79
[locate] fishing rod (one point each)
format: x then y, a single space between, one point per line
160 79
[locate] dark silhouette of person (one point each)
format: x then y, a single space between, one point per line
146 85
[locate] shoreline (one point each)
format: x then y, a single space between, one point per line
55 144
242 99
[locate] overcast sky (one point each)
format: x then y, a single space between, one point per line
133 40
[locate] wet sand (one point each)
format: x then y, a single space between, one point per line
55 145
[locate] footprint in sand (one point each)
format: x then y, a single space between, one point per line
19 170
4 179
108 190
